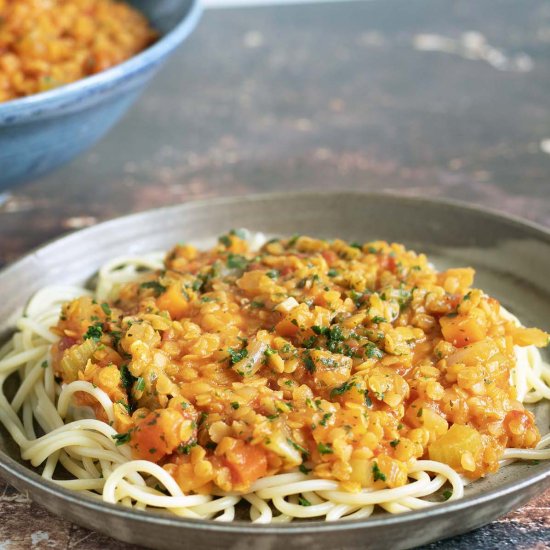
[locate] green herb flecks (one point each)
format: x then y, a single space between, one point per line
343 388
155 286
297 446
121 439
236 261
94 332
377 473
309 363
324 449
236 355
373 352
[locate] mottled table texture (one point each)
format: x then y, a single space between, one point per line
318 97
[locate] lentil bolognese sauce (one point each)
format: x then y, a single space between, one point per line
310 378
46 44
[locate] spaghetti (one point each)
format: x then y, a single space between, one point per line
81 418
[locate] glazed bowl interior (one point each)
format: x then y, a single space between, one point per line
512 260
43 131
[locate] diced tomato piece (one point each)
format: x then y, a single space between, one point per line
388 263
173 301
286 328
160 432
462 330
330 256
65 342
246 462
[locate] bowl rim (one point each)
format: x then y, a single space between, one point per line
40 103
23 476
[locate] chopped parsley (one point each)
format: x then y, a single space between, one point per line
368 400
121 439
235 405
404 298
240 232
236 261
303 501
140 384
377 474
106 309
225 240
309 342
297 447
94 332
339 390
185 449
202 418
127 377
272 273
324 449
320 331
236 355
197 284
335 334
447 494
116 335
373 352
155 286
123 403
357 297
44 364
304 469
309 363
292 240
394 443
378 319
332 272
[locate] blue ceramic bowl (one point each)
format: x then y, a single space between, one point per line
43 131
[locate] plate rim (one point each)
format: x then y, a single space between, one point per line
23 476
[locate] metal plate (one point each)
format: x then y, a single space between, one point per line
512 260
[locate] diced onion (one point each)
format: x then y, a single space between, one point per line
287 306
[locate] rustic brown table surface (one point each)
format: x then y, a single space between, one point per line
324 96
